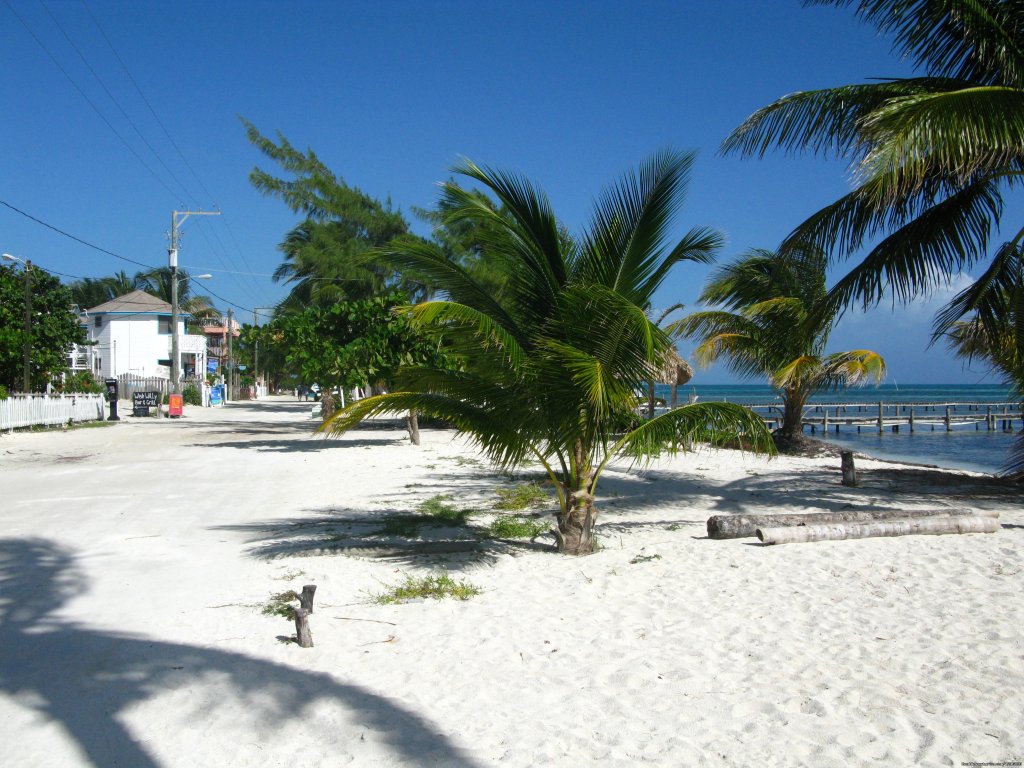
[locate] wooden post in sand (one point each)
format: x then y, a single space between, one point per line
302 634
837 531
306 598
849 470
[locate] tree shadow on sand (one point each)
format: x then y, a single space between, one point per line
381 534
87 680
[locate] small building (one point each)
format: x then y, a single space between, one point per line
132 334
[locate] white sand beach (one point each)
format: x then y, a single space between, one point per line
135 561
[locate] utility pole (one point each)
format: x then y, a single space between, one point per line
27 362
177 219
229 379
256 355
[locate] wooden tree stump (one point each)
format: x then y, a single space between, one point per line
849 469
302 634
306 598
837 531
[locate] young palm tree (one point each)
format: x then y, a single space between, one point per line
931 154
549 373
771 323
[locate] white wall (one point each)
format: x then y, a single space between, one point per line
133 344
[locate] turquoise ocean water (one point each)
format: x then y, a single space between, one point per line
979 450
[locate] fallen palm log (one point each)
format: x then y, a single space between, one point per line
742 526
837 531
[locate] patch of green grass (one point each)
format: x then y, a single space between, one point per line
644 559
436 508
90 424
281 605
436 587
517 527
520 497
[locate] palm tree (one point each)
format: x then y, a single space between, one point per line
931 154
771 323
549 372
991 332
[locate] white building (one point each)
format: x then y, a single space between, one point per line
132 334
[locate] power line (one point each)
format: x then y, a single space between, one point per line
89 101
116 103
152 111
76 239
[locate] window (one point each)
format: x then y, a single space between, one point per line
165 323
98 322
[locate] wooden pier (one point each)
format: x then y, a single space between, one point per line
894 416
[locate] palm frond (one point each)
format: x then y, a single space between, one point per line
961 134
625 243
714 423
977 40
826 121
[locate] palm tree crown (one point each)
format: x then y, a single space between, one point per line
772 322
548 370
931 154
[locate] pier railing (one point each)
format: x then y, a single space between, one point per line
882 416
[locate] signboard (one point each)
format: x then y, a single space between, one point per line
212 365
241 367
145 399
217 396
175 405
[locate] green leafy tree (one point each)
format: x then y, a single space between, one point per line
328 256
356 343
931 154
548 371
772 321
54 328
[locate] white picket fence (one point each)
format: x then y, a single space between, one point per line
49 410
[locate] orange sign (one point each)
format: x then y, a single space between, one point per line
175 405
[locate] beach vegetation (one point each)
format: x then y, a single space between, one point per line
770 317
436 587
438 509
547 371
931 156
644 559
517 527
282 604
520 497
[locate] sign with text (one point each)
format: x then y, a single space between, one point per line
145 399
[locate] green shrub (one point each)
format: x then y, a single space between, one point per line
3 392
192 395
80 381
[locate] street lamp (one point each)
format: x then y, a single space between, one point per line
27 382
175 280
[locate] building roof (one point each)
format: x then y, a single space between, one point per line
134 303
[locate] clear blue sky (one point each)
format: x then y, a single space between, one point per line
390 95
